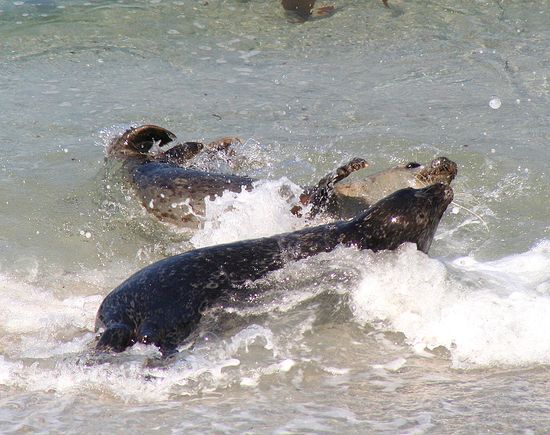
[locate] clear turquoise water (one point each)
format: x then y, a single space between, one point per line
337 347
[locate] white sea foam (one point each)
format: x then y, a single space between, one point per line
264 211
46 347
37 319
484 313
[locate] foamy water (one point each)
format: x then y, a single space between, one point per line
482 313
261 212
345 342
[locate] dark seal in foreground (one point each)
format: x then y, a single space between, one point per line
162 303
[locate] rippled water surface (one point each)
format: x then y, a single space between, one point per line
346 342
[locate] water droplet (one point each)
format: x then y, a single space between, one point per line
495 103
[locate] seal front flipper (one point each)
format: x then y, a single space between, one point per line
322 194
168 330
115 338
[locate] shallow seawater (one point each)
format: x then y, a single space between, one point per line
346 342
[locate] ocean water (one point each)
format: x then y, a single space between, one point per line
347 342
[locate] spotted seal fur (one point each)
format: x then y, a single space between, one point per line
162 303
157 167
174 191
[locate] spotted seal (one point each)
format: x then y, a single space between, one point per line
174 191
162 303
156 166
349 197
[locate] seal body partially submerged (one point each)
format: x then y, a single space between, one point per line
177 195
162 303
161 171
303 9
170 188
158 168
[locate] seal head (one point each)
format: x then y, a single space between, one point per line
408 215
355 195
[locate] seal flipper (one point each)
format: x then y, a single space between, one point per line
116 338
322 195
139 140
223 145
142 138
152 331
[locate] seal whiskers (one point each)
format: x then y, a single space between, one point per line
473 213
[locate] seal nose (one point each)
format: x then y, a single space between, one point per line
445 164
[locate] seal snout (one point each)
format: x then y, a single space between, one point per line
444 165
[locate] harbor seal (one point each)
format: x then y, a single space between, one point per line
349 197
169 187
162 303
157 167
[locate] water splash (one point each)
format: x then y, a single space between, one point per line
485 314
264 211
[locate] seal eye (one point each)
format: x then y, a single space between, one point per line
412 165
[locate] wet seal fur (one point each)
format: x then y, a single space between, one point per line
156 166
304 9
172 190
162 303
